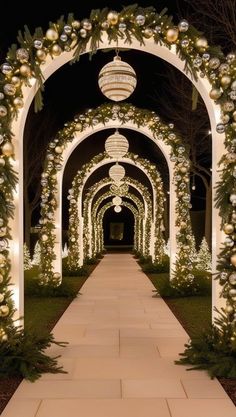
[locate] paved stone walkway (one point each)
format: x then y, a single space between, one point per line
120 360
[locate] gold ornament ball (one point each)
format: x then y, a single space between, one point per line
228 228
2 333
7 149
234 115
3 231
1 278
2 162
75 24
201 44
215 93
172 35
58 149
233 259
225 118
225 80
25 70
112 17
1 298
18 102
56 50
148 32
4 310
56 276
233 125
41 54
78 127
183 170
229 309
52 35
16 81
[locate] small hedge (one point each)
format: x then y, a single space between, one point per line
156 268
201 285
23 355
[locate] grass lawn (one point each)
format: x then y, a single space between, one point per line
44 312
194 313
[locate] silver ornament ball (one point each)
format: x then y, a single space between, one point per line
183 25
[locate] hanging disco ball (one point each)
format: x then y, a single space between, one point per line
117 209
117 172
117 201
117 80
116 145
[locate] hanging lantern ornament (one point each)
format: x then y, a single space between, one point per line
117 80
117 172
117 201
116 145
117 209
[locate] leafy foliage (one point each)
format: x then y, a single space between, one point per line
213 350
23 355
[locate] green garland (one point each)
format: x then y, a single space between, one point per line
77 185
117 191
103 114
25 61
129 195
98 227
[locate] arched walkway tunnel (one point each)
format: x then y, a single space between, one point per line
118 229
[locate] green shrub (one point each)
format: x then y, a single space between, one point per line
201 285
33 289
156 268
78 272
22 355
91 261
213 350
162 284
203 281
145 260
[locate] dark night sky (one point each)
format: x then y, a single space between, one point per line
74 88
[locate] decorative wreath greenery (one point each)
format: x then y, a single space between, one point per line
98 232
75 191
25 60
121 191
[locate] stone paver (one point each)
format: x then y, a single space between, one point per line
120 357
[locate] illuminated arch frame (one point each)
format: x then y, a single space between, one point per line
95 211
88 202
167 51
101 213
78 183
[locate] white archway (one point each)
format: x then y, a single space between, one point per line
89 199
170 55
76 204
98 227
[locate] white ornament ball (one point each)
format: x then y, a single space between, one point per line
44 238
22 55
